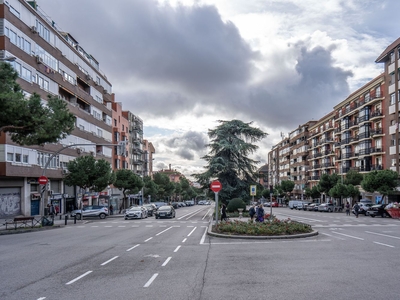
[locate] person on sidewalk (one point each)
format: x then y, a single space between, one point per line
356 208
347 208
252 212
111 209
223 212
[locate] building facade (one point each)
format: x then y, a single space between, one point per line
50 61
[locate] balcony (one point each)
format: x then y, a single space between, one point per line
376 167
376 115
365 151
315 177
354 139
345 141
376 132
364 135
353 123
376 150
362 119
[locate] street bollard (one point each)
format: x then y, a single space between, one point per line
75 219
66 219
60 216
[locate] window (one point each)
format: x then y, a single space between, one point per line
18 157
13 37
10 156
27 47
393 140
25 158
46 85
43 31
14 11
26 74
391 57
391 78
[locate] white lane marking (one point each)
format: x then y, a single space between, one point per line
184 240
107 226
333 236
386 235
206 214
41 298
177 248
190 213
135 226
192 231
297 217
149 225
151 280
106 262
79 277
350 236
166 261
121 226
203 237
164 231
148 239
384 244
133 247
95 226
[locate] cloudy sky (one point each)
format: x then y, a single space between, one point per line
183 65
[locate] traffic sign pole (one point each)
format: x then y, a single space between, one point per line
216 208
216 186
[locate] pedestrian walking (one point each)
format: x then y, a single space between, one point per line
111 209
252 212
52 210
356 208
223 212
347 208
260 213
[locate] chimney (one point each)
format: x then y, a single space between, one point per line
170 167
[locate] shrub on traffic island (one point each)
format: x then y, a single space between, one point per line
235 204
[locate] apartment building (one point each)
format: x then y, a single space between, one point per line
263 176
51 61
390 57
148 151
273 165
135 145
299 163
322 154
120 129
360 129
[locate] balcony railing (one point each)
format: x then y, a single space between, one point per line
364 135
376 131
376 167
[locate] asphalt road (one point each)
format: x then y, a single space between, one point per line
175 259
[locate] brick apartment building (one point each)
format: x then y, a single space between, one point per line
361 133
51 61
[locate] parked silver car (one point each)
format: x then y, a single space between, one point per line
328 207
90 211
135 212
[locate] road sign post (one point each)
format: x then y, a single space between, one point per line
216 186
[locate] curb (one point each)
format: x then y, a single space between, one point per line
272 237
24 230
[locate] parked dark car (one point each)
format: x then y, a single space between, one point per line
151 209
378 210
175 205
166 211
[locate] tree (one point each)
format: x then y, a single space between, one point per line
127 181
231 144
352 191
88 173
165 186
287 186
327 182
150 187
353 177
28 121
314 192
383 181
338 191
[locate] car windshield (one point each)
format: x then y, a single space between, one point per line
135 208
164 208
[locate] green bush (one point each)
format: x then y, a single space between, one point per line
235 204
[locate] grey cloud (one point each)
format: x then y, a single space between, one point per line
189 140
186 46
186 154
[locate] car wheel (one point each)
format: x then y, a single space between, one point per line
373 216
384 215
78 216
156 217
102 216
126 218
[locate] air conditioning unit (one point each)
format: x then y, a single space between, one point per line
65 171
78 150
92 153
88 77
39 60
96 83
34 29
105 91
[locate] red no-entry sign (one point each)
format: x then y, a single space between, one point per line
216 186
43 180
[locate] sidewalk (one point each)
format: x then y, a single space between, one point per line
59 221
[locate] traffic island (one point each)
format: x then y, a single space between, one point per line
270 229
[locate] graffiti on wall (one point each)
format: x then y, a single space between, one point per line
10 204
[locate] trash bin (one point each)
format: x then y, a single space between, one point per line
47 221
